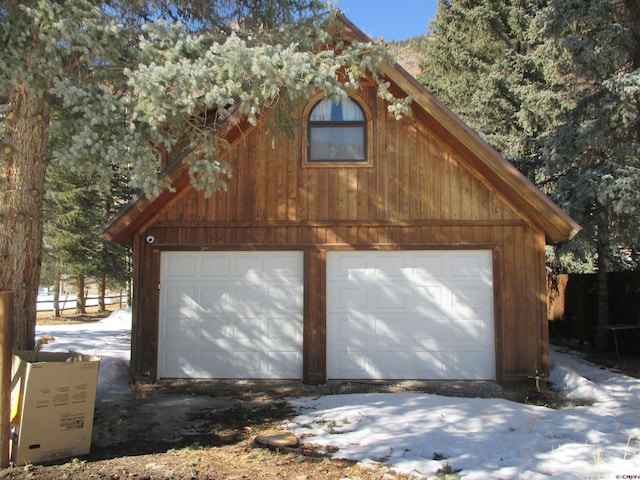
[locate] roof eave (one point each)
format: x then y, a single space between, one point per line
556 224
135 214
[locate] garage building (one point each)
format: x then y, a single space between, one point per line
365 248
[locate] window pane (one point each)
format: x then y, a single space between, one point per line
336 143
329 111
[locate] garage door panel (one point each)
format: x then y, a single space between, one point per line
471 364
179 265
245 327
469 330
352 362
216 300
228 310
428 300
247 364
214 265
249 265
284 265
177 361
248 299
467 311
180 296
390 331
194 331
432 329
423 310
283 364
386 265
390 298
265 301
343 299
213 364
427 268
244 363
432 364
275 266
371 363
469 301
283 297
355 329
467 264
285 330
350 263
391 364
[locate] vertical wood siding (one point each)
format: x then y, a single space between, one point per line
417 194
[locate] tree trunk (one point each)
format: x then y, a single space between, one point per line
102 289
56 295
602 292
602 338
81 304
23 165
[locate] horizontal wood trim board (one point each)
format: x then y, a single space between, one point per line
324 247
343 223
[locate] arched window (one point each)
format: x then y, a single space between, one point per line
337 132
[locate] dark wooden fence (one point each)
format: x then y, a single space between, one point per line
573 307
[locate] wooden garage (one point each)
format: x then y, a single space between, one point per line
366 248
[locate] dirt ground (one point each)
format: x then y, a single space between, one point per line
206 430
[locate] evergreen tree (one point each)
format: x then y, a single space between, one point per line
555 86
591 55
72 227
126 77
478 62
73 242
115 268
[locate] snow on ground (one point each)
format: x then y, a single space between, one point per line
423 433
109 338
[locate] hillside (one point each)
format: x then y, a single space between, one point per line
409 53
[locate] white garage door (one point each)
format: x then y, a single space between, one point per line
230 315
410 314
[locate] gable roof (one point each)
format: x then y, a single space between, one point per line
483 159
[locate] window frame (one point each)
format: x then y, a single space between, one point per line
366 125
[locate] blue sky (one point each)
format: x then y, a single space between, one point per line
390 19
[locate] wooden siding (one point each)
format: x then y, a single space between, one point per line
414 177
418 194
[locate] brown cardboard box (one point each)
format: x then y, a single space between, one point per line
52 403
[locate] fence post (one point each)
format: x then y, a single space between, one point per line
6 345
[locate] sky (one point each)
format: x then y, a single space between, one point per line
419 434
390 19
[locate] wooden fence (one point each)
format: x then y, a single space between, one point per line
573 304
69 302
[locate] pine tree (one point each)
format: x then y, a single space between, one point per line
478 62
555 86
591 54
73 242
115 268
72 226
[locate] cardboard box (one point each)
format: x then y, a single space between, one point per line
53 399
